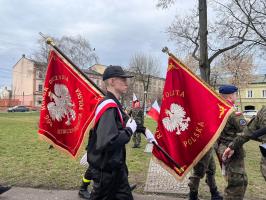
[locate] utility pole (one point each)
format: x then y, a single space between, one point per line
203 32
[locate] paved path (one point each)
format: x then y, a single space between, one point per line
17 193
160 181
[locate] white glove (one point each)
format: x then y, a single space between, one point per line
131 124
149 136
83 160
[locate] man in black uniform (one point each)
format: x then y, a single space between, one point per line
106 148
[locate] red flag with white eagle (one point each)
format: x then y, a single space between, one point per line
68 106
154 111
135 101
191 118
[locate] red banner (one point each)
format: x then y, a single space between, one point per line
68 106
191 119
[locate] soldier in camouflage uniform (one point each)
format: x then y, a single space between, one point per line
254 130
137 114
205 166
234 167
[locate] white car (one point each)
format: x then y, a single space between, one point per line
248 114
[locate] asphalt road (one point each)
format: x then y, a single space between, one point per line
17 193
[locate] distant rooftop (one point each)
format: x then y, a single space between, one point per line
98 68
260 78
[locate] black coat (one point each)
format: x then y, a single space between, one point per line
106 147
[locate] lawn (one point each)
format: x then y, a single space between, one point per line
28 162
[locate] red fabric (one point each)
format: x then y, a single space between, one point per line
195 116
104 108
68 107
154 114
136 104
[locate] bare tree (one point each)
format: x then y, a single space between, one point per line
165 3
192 63
42 53
251 13
77 48
144 67
216 77
190 33
239 69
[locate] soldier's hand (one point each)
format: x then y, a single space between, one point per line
227 154
131 123
149 136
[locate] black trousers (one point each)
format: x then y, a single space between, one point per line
88 174
110 185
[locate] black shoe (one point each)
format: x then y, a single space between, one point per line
216 195
85 194
4 189
193 196
133 187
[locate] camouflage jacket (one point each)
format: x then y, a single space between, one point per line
137 114
234 126
256 123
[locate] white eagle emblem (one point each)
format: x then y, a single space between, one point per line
176 119
62 105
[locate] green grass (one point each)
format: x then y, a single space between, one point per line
26 161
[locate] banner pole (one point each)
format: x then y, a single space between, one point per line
169 157
50 42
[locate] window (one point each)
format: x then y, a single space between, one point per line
249 93
39 101
40 74
40 88
264 93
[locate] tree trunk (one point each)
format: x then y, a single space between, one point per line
203 32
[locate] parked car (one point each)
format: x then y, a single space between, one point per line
248 114
18 109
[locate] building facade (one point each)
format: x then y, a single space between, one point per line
27 84
5 93
253 97
28 80
29 75
154 91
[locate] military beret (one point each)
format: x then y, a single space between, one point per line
228 89
115 71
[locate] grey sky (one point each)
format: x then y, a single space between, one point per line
117 29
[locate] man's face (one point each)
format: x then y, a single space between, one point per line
120 85
233 97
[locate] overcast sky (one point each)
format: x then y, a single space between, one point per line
116 29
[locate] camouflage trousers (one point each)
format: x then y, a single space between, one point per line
205 166
136 139
263 166
235 175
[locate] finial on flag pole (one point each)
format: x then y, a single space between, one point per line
48 40
166 50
